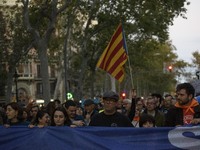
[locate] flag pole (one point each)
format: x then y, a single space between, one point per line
130 69
129 64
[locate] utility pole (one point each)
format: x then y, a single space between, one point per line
16 76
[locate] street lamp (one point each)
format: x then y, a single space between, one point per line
16 89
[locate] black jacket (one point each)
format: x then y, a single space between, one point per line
174 116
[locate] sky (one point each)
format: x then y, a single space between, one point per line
185 33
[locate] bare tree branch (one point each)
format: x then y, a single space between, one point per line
26 19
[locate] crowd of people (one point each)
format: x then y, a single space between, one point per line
112 111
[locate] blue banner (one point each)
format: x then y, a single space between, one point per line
98 138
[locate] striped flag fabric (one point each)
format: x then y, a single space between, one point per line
115 55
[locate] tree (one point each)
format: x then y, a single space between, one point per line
140 20
2 54
40 20
145 22
196 59
12 49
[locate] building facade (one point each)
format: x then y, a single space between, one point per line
29 81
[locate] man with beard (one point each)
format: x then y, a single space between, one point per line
110 117
186 110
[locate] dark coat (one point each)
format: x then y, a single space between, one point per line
174 116
159 118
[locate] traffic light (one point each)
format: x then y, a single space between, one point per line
69 96
123 95
170 68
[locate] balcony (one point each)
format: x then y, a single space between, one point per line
24 76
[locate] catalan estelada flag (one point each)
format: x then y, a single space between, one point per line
115 55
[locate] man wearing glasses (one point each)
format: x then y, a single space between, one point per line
110 117
151 110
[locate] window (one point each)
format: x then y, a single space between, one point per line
39 88
52 87
52 75
38 71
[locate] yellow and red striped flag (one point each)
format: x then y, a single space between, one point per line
115 56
